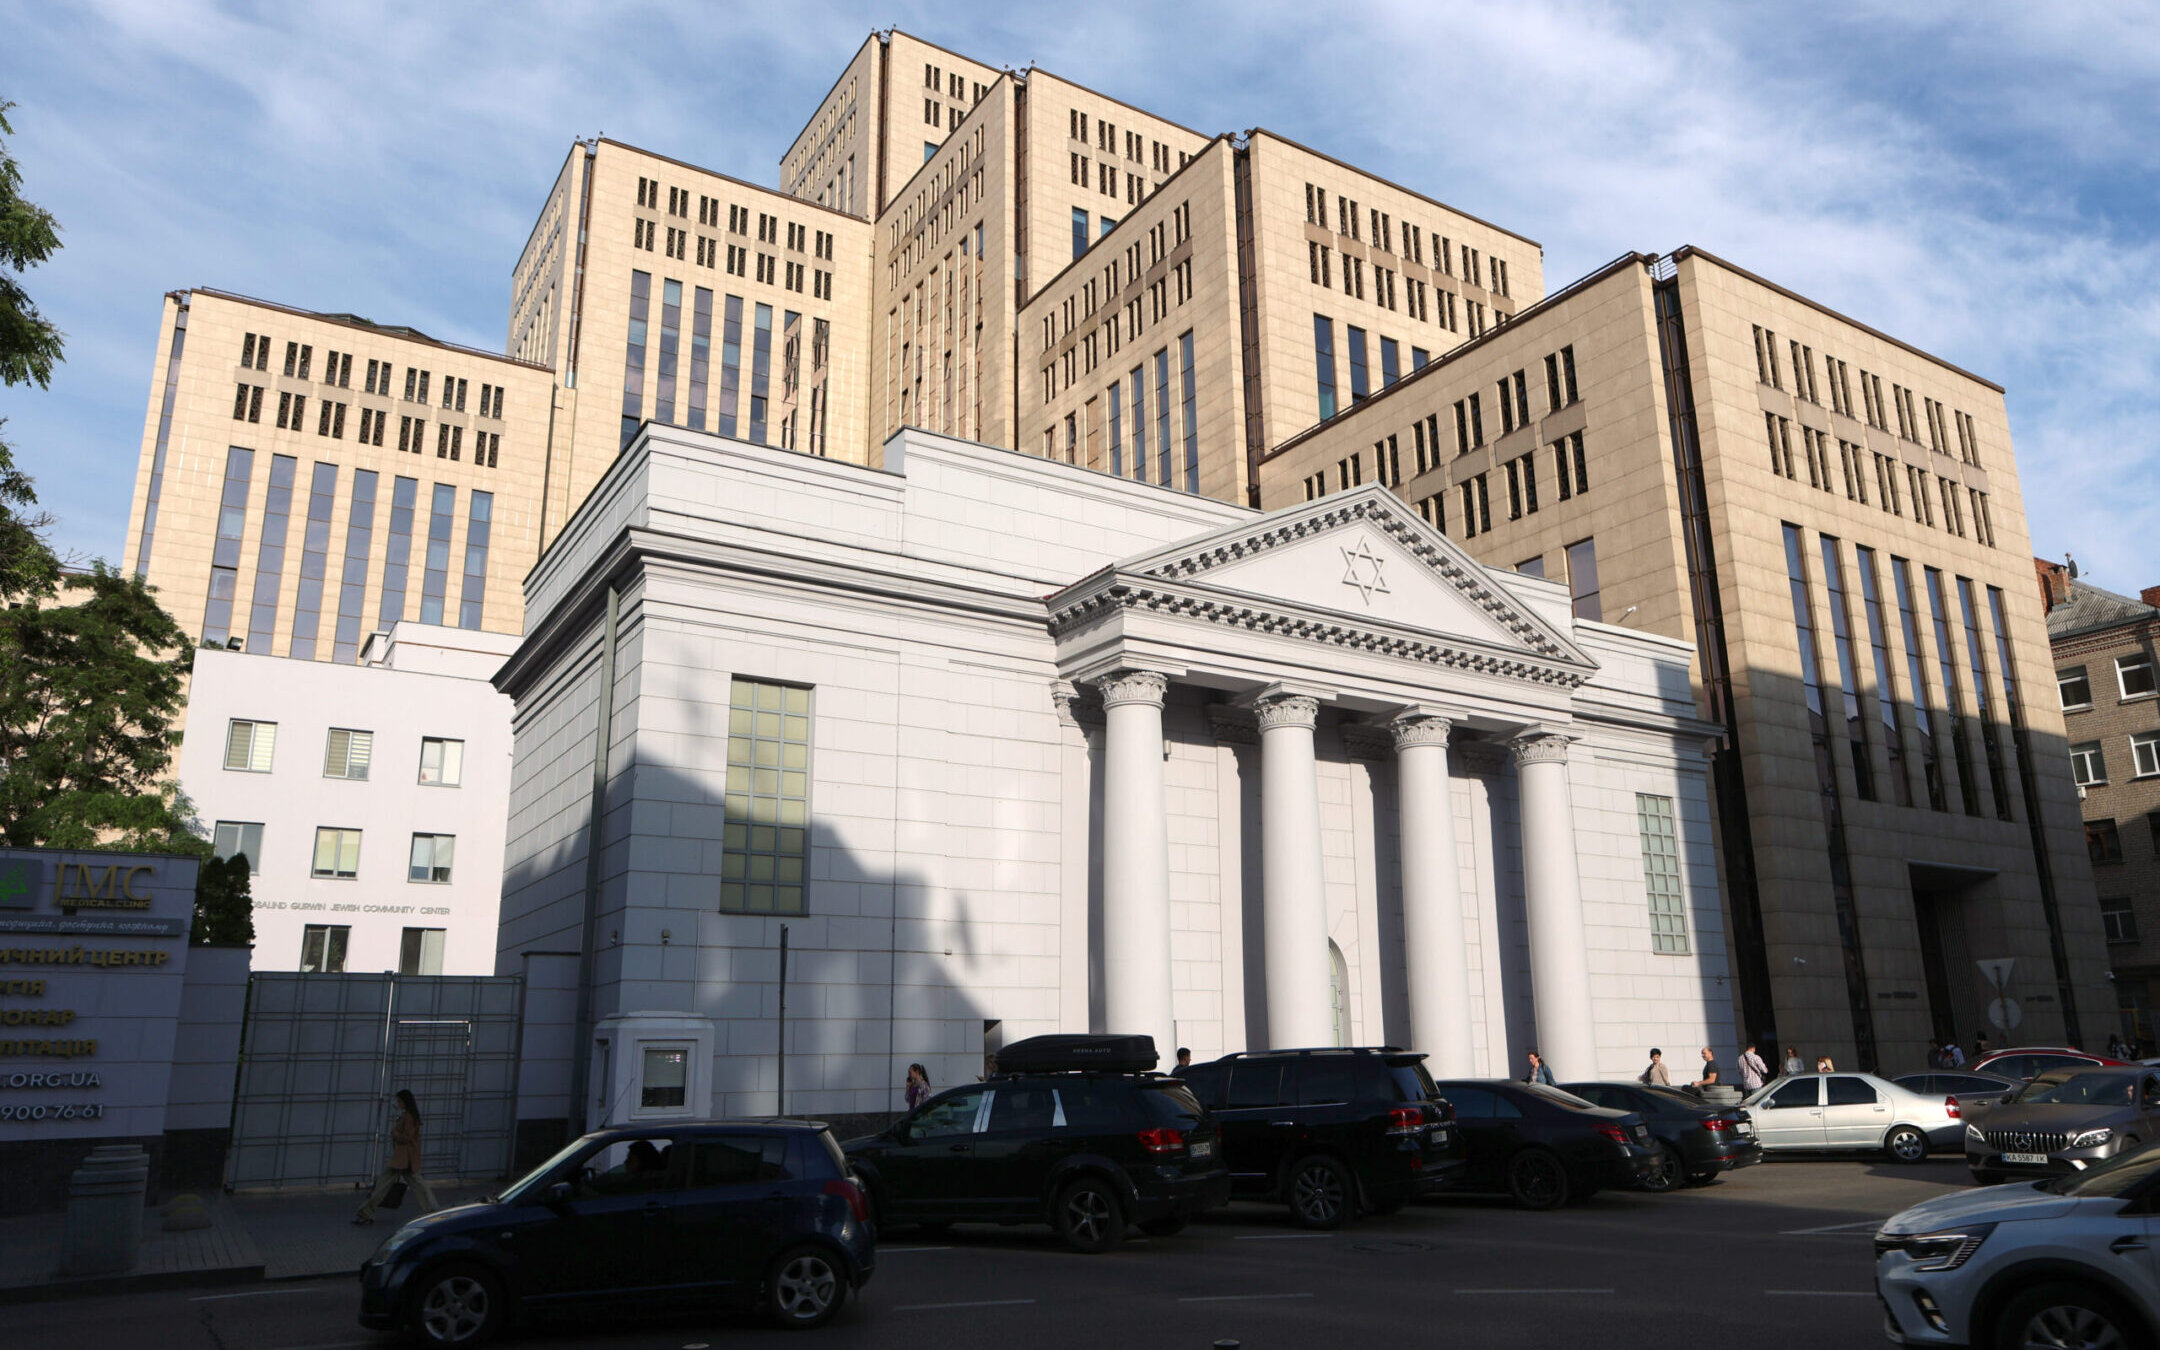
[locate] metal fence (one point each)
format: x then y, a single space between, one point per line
321 1055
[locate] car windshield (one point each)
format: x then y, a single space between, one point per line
2117 1176
538 1177
1553 1094
2080 1089
1171 1103
1412 1082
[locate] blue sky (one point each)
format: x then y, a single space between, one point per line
1977 179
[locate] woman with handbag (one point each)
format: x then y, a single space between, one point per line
404 1167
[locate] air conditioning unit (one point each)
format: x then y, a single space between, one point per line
2081 792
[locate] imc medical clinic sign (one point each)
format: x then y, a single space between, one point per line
93 956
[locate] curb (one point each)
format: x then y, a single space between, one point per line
90 1286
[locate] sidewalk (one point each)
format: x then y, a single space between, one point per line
253 1235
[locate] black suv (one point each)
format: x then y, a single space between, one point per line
1072 1131
1330 1132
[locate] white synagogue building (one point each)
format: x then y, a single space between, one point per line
1013 747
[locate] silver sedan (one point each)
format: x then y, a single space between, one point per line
1852 1110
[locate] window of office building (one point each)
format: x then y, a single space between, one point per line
435 575
1661 874
250 746
420 951
633 404
432 856
1360 379
238 839
442 762
314 561
768 799
2087 764
472 599
2134 675
2075 688
1192 419
270 554
1583 579
322 948
352 586
348 753
2145 754
1324 354
337 852
2103 842
225 551
2117 918
397 552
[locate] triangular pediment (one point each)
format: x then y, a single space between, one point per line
1365 557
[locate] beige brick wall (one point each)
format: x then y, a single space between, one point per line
833 160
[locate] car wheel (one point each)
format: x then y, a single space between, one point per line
457 1305
1667 1174
1170 1227
1089 1216
805 1288
2048 1316
1319 1193
1537 1180
1906 1145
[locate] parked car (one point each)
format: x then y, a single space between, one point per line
2025 1062
1970 1089
756 1214
1073 1131
1695 1139
1330 1133
1852 1110
1543 1146
2065 1120
2063 1262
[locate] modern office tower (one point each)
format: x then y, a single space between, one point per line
878 124
2106 650
695 300
308 479
1833 518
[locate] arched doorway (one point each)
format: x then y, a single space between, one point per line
1339 992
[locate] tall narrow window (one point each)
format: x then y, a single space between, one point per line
1390 362
1360 380
1953 696
760 371
765 844
700 355
472 600
1583 580
1324 355
1163 442
1856 737
435 578
352 587
730 363
670 341
633 402
314 562
1983 702
397 552
1079 231
1661 874
1117 429
1916 673
1885 677
164 434
270 555
1192 418
225 552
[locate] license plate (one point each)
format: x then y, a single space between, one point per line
1203 1148
1440 1135
1745 1128
2026 1159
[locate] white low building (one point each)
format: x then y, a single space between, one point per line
1015 747
369 798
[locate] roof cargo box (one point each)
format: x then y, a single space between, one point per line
1067 1054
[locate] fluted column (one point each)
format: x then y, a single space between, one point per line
1437 966
1552 886
1292 880
1136 860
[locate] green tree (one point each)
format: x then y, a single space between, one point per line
224 913
29 345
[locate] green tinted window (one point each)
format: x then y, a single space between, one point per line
768 799
1661 874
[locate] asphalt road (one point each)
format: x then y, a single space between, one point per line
1776 1256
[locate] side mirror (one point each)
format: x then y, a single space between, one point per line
558 1193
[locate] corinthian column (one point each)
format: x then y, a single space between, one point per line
1300 1011
1136 860
1438 968
1552 886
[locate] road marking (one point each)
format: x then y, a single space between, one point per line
894 1251
263 1293
1280 1237
1531 1291
1839 1228
986 1303
1822 1293
1237 1298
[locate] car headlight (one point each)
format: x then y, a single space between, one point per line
396 1242
2092 1138
1973 1135
1946 1250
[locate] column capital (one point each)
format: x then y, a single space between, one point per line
1420 728
1286 710
1076 707
1133 686
1540 747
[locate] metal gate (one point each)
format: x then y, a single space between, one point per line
321 1055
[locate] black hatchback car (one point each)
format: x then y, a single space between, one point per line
754 1214
1695 1140
1072 1132
1544 1146
1330 1132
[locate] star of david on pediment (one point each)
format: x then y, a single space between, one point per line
1362 569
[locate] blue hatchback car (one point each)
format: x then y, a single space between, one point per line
752 1214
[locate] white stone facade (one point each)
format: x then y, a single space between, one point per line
418 681
1089 754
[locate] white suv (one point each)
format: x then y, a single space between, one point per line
2070 1261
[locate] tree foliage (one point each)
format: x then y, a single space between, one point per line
29 343
224 913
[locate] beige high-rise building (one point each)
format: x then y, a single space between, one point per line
309 479
1833 518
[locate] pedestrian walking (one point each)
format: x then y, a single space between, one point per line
1752 1069
1793 1063
404 1166
1952 1055
918 1086
1538 1072
1656 1075
1709 1070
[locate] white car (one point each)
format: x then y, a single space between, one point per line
1853 1110
2069 1261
